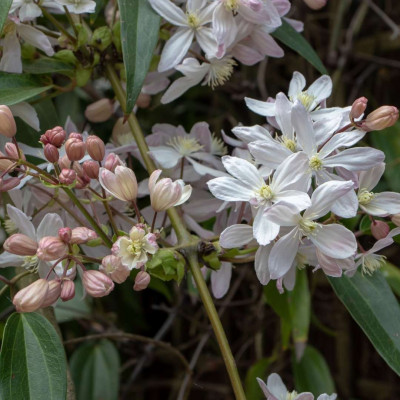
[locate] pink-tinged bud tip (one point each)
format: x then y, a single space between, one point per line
67 176
75 149
96 283
53 293
67 290
20 245
31 298
9 184
65 234
112 266
95 148
99 111
11 150
82 235
379 229
55 136
358 108
91 169
316 4
51 153
7 122
142 280
122 184
381 118
51 248
112 161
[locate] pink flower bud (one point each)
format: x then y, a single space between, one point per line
67 176
31 297
82 182
7 122
55 136
65 234
396 219
112 266
122 184
8 184
112 161
51 248
96 283
75 149
67 290
99 111
51 153
143 100
91 169
358 108
12 151
95 147
315 4
53 293
142 280
379 229
82 235
381 118
20 245
64 162
5 164
165 194
75 135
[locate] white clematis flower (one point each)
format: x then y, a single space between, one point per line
78 6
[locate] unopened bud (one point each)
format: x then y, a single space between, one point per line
143 100
99 111
122 184
381 118
75 135
12 151
82 182
5 165
396 219
52 294
315 4
95 147
65 234
91 169
9 184
20 245
112 266
67 176
75 149
379 229
358 108
51 248
55 136
96 283
7 122
67 290
51 153
112 161
30 298
142 280
82 235
64 162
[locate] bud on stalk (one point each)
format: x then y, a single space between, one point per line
96 283
358 108
383 117
7 122
53 293
67 290
75 149
91 169
95 148
20 245
142 280
31 298
51 248
379 229
99 111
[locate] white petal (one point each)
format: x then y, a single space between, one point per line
175 49
244 171
297 84
11 58
335 241
36 38
269 152
206 40
346 206
264 230
383 203
260 107
276 386
283 114
179 87
166 156
330 266
263 387
229 189
21 221
10 260
283 254
295 199
220 280
304 129
356 159
27 113
202 169
49 226
236 236
369 179
169 11
282 214
324 128
321 89
343 139
249 134
261 264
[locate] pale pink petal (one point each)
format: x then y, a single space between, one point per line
260 107
382 204
297 84
22 221
321 89
261 264
11 58
220 280
169 11
236 236
264 230
356 159
243 170
369 179
304 129
36 38
229 189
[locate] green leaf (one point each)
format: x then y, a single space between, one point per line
300 311
32 360
373 306
94 369
388 140
47 65
15 88
139 35
258 370
392 275
293 39
4 8
312 373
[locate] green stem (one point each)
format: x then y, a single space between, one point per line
184 237
91 220
57 24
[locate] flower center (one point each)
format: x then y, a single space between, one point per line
30 262
364 197
232 5
192 20
372 262
266 192
220 71
308 227
291 395
185 146
135 248
289 143
306 99
9 226
315 163
218 147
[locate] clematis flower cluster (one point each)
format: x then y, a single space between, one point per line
208 38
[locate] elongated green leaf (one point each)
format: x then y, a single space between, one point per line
258 370
4 8
94 369
47 65
139 34
32 360
15 88
374 307
312 373
300 311
392 275
293 39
